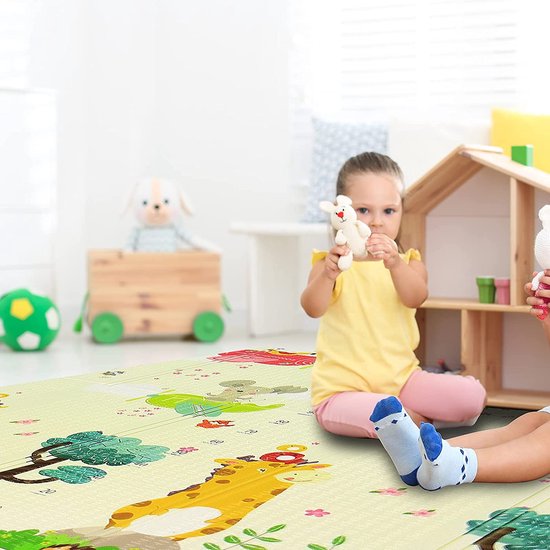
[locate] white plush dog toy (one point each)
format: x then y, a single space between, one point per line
349 230
159 207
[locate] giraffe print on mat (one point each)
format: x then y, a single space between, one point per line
222 500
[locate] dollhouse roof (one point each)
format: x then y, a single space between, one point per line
458 167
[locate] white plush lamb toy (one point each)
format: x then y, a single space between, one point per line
349 230
542 254
159 206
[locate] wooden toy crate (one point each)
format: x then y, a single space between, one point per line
140 293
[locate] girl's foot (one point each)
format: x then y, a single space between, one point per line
399 436
442 464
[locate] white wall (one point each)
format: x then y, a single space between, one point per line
196 92
224 118
28 183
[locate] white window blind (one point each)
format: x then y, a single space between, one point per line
441 56
432 54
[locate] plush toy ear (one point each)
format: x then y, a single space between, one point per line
342 200
327 206
185 204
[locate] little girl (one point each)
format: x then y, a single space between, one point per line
519 451
368 332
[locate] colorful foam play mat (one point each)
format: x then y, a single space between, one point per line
224 452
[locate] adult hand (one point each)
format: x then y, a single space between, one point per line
535 299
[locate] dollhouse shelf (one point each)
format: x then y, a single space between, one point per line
481 325
518 399
481 335
471 305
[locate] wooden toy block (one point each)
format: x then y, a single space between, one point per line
523 154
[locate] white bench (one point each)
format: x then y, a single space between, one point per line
279 260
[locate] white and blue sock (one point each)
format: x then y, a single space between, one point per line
443 465
399 436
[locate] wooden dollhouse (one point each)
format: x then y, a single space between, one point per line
474 213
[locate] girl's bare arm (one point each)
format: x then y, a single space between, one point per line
410 281
316 297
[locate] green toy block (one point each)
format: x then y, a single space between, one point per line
523 154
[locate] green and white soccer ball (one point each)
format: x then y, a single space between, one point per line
28 322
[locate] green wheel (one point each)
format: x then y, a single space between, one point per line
107 328
208 326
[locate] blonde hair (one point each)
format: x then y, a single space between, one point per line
369 163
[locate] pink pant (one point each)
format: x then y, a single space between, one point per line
437 397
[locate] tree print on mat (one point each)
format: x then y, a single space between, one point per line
88 447
515 528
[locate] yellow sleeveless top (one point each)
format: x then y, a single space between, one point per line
367 337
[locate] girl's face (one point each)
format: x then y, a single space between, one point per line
377 201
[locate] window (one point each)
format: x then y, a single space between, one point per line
442 57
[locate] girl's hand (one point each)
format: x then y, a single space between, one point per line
535 299
381 247
331 260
